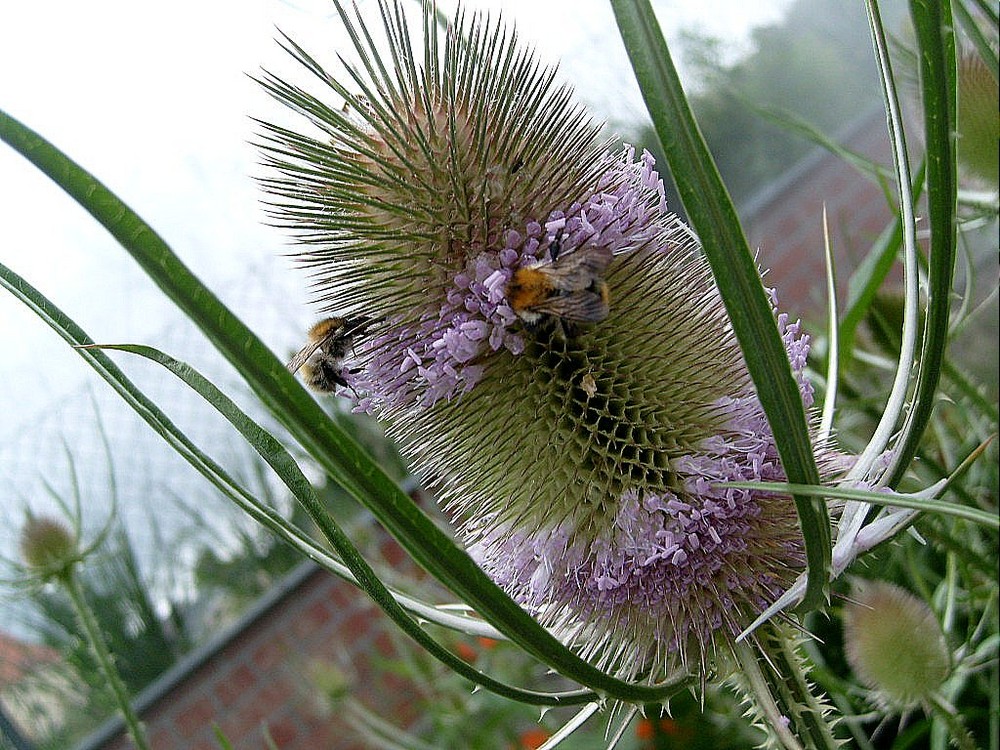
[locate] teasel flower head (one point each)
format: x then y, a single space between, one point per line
584 463
894 644
48 546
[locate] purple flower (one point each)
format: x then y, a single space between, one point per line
585 464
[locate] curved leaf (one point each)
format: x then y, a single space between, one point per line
333 449
713 217
276 456
933 23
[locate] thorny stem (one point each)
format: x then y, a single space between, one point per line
956 729
105 661
774 674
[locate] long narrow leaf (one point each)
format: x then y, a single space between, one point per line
935 37
279 459
989 12
895 404
870 274
713 217
794 123
833 355
892 500
980 41
336 452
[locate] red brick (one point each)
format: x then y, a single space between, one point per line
235 683
194 715
311 620
162 736
384 645
244 722
340 595
283 731
393 554
357 625
268 655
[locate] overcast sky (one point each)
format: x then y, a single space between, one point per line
154 99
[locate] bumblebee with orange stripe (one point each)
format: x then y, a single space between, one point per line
568 287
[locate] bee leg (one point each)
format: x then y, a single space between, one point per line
340 380
555 246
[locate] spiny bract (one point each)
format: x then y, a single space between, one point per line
580 462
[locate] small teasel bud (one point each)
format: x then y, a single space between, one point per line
978 122
894 643
47 545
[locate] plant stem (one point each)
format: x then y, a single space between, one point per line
957 730
773 678
104 659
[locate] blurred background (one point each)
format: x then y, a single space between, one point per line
156 100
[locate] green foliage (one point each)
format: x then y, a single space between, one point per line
143 643
451 715
816 64
950 563
120 597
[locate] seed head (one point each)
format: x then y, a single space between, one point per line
47 546
583 460
894 643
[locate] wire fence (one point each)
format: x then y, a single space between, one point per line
87 448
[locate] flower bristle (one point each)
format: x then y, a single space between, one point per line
583 463
383 176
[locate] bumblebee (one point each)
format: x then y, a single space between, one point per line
567 287
322 358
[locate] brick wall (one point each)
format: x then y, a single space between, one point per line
786 221
263 672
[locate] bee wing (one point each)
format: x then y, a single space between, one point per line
577 270
357 324
582 306
303 355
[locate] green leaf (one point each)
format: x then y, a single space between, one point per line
274 453
885 430
976 515
933 23
795 123
869 276
276 456
980 41
713 217
336 452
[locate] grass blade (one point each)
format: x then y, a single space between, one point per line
276 457
932 21
895 405
870 274
336 452
892 500
713 217
274 453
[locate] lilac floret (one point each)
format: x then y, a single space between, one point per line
445 352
